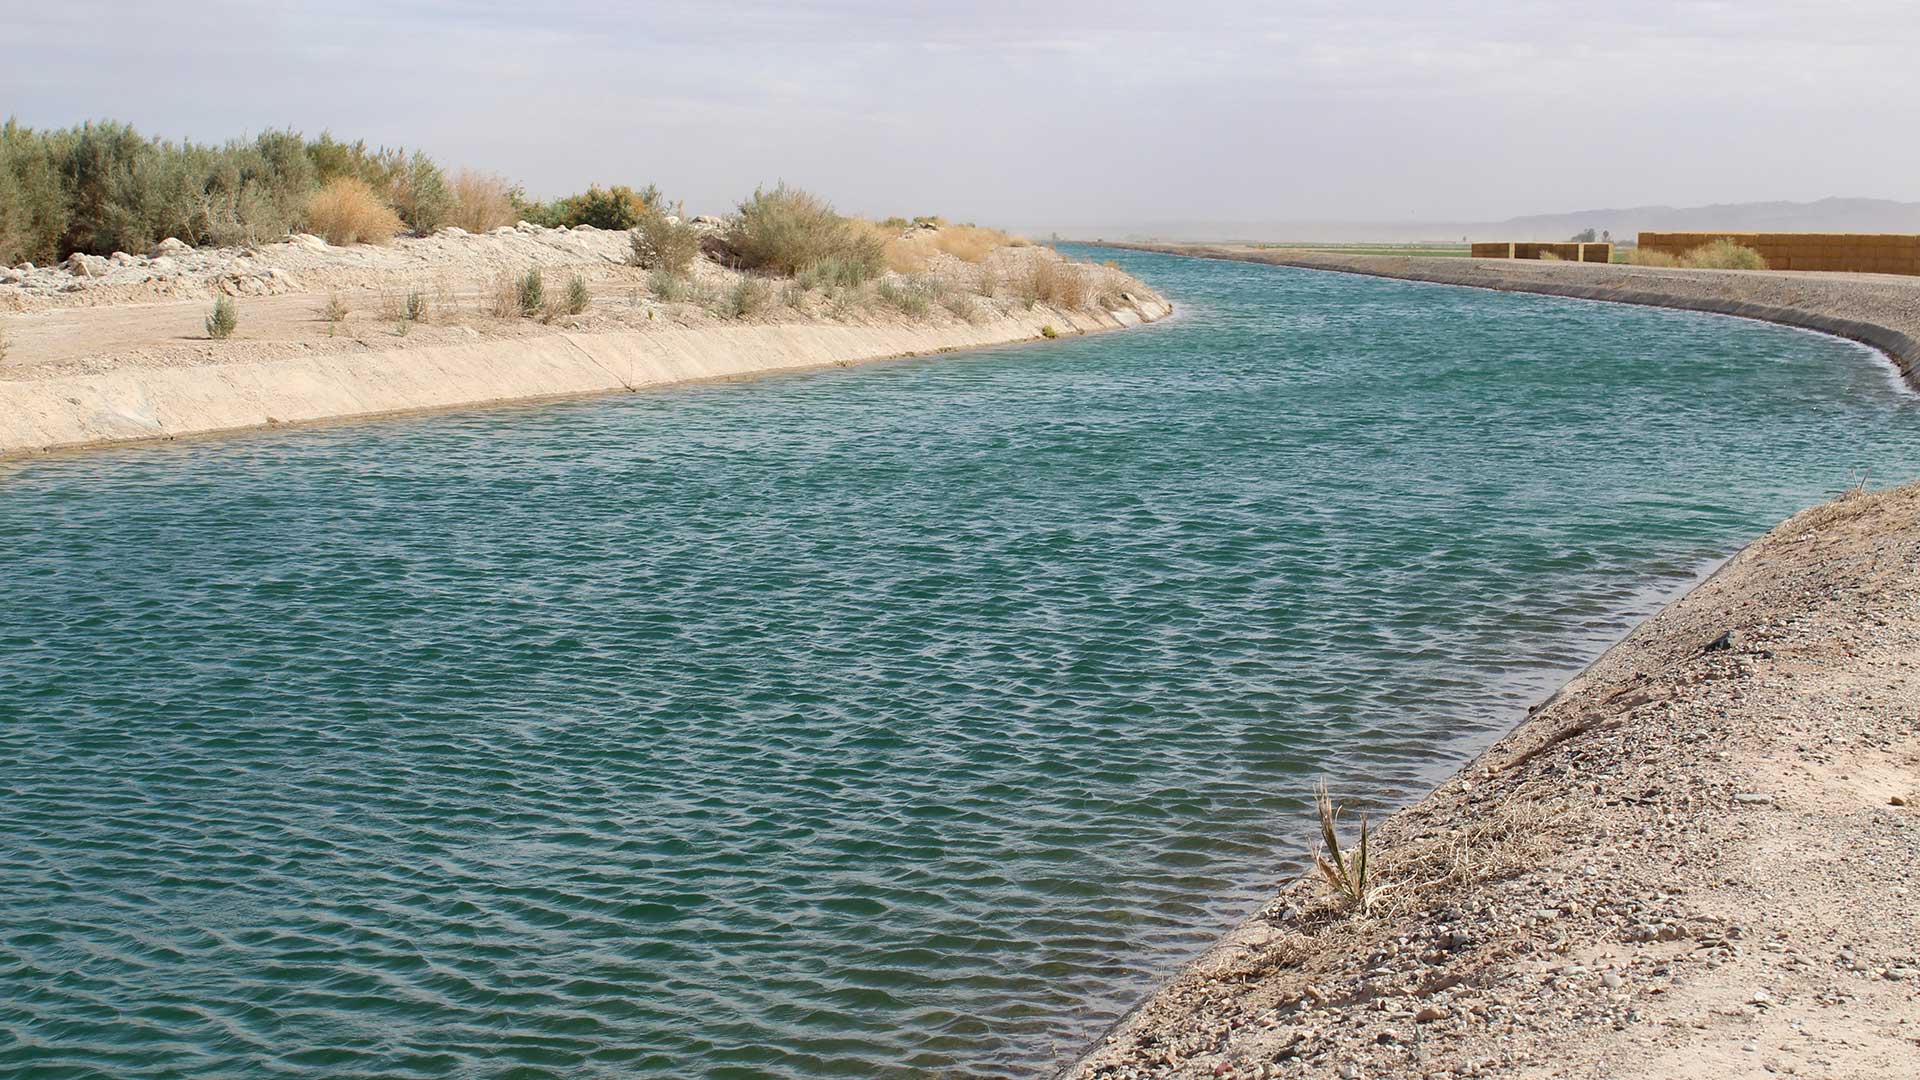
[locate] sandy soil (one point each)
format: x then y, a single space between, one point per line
150 310
1882 310
1701 858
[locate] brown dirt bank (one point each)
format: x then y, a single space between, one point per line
1881 310
1701 858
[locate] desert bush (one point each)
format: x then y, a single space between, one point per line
334 310
618 207
988 283
660 242
6 343
481 201
1643 257
789 231
747 298
531 293
909 296
666 286
33 208
1723 255
1548 256
578 298
1049 332
961 306
348 211
835 274
102 187
418 192
416 307
222 320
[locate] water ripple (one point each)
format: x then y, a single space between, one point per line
898 722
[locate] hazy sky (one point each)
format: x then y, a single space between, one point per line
1060 113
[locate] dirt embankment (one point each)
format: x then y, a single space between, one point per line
112 350
1699 859
1881 310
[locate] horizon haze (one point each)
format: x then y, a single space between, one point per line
1069 119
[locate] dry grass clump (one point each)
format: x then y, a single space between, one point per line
502 297
789 231
481 202
913 251
1643 257
1548 256
6 343
1061 284
1347 873
1723 255
578 298
348 211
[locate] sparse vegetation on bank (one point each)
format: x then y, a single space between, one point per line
1719 255
616 208
790 232
663 242
222 320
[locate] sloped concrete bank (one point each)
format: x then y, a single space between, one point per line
1698 858
1878 310
145 403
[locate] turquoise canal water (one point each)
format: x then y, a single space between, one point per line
902 721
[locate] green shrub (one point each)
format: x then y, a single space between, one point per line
909 297
222 320
617 207
532 293
835 273
789 231
103 187
1049 332
577 296
33 208
660 242
748 297
667 287
418 192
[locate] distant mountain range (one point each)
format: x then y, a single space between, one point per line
1824 215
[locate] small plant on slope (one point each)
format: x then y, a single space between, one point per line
577 296
533 293
1345 871
222 320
